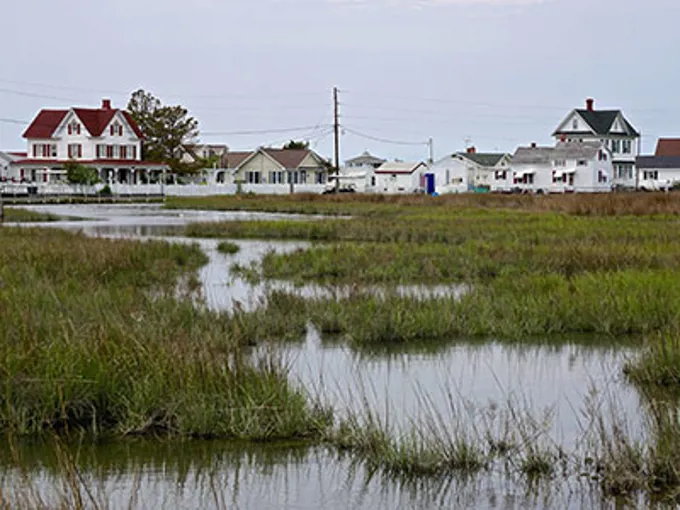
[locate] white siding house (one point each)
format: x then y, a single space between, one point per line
106 139
461 172
661 171
610 127
358 173
658 172
394 177
568 167
7 172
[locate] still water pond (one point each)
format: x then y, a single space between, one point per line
461 382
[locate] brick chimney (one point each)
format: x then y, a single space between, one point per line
106 104
590 102
472 150
563 138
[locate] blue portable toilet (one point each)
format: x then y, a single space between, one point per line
429 184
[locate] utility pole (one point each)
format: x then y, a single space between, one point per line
637 170
430 145
336 137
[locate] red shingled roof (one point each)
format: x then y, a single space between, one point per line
668 147
94 119
45 123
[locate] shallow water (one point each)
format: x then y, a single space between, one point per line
462 383
221 475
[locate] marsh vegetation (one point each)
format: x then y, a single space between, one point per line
103 341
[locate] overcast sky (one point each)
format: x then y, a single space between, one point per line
494 73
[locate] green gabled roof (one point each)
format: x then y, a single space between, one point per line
601 122
482 158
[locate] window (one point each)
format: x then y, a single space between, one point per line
44 150
615 146
560 163
321 178
626 146
582 162
574 124
132 152
601 177
109 152
373 180
116 151
651 175
501 175
275 177
74 128
303 176
116 129
602 156
123 152
253 177
75 150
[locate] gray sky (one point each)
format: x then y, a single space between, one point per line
499 72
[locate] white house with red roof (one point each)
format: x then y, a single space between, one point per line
106 139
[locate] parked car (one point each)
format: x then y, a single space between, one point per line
343 188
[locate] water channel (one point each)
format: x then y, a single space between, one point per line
464 382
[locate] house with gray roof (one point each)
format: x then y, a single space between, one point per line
568 167
610 127
364 160
662 170
461 172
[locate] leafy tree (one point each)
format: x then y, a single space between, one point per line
166 129
81 174
293 144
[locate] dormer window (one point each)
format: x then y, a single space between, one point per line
116 129
74 128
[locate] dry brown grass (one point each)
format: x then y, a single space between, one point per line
605 204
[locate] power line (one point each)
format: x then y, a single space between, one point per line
15 121
258 132
382 140
38 96
174 96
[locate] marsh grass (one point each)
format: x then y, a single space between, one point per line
97 341
433 245
586 204
18 215
616 305
658 366
228 248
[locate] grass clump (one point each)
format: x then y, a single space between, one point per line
18 215
658 367
228 248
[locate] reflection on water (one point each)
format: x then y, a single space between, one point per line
222 475
463 382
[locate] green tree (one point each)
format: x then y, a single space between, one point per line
81 174
293 144
166 129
